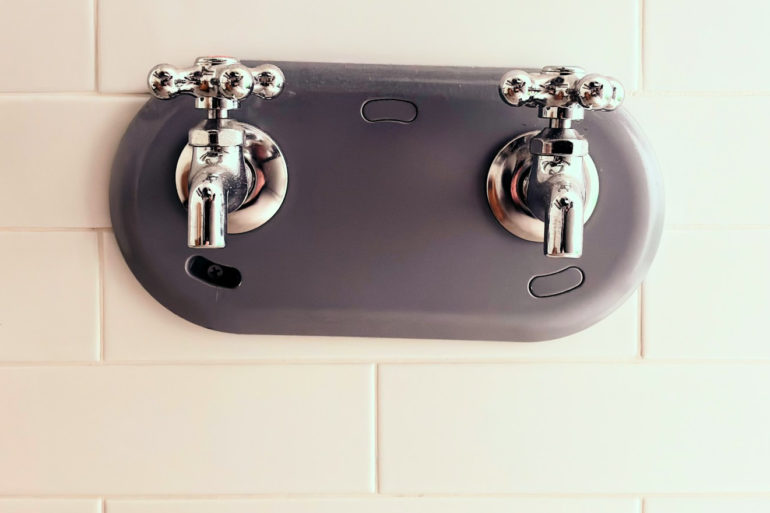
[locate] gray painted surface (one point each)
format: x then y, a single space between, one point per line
385 230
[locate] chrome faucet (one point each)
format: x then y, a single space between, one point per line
220 178
549 175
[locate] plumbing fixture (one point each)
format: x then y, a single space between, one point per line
543 186
385 234
231 175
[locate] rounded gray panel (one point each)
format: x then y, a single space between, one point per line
385 230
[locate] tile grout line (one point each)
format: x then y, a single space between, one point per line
96 45
100 246
642 497
376 426
641 320
48 229
74 94
642 70
455 362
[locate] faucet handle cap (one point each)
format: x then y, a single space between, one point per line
234 81
163 81
598 92
516 88
268 81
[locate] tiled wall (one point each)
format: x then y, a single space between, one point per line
109 402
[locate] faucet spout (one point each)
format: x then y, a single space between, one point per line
564 223
219 182
207 212
556 194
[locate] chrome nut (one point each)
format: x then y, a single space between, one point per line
562 145
215 137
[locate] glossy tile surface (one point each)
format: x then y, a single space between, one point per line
60 165
186 430
689 46
574 428
700 142
50 506
49 296
707 505
31 62
708 296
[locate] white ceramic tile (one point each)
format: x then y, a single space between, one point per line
632 428
708 296
48 45
381 505
206 430
161 335
50 506
701 143
487 33
63 148
707 505
49 296
693 46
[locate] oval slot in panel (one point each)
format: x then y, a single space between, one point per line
557 283
389 109
212 273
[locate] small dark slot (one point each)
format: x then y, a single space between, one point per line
214 274
556 283
389 109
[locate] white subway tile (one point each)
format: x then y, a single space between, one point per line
488 33
692 46
49 297
381 505
708 296
60 165
161 335
707 505
50 505
124 430
579 428
48 45
701 143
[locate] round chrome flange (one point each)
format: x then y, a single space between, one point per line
506 189
265 159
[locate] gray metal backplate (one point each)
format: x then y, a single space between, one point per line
386 230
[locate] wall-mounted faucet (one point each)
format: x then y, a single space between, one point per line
543 186
384 237
227 165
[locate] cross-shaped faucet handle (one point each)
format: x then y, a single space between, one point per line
561 92
216 82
